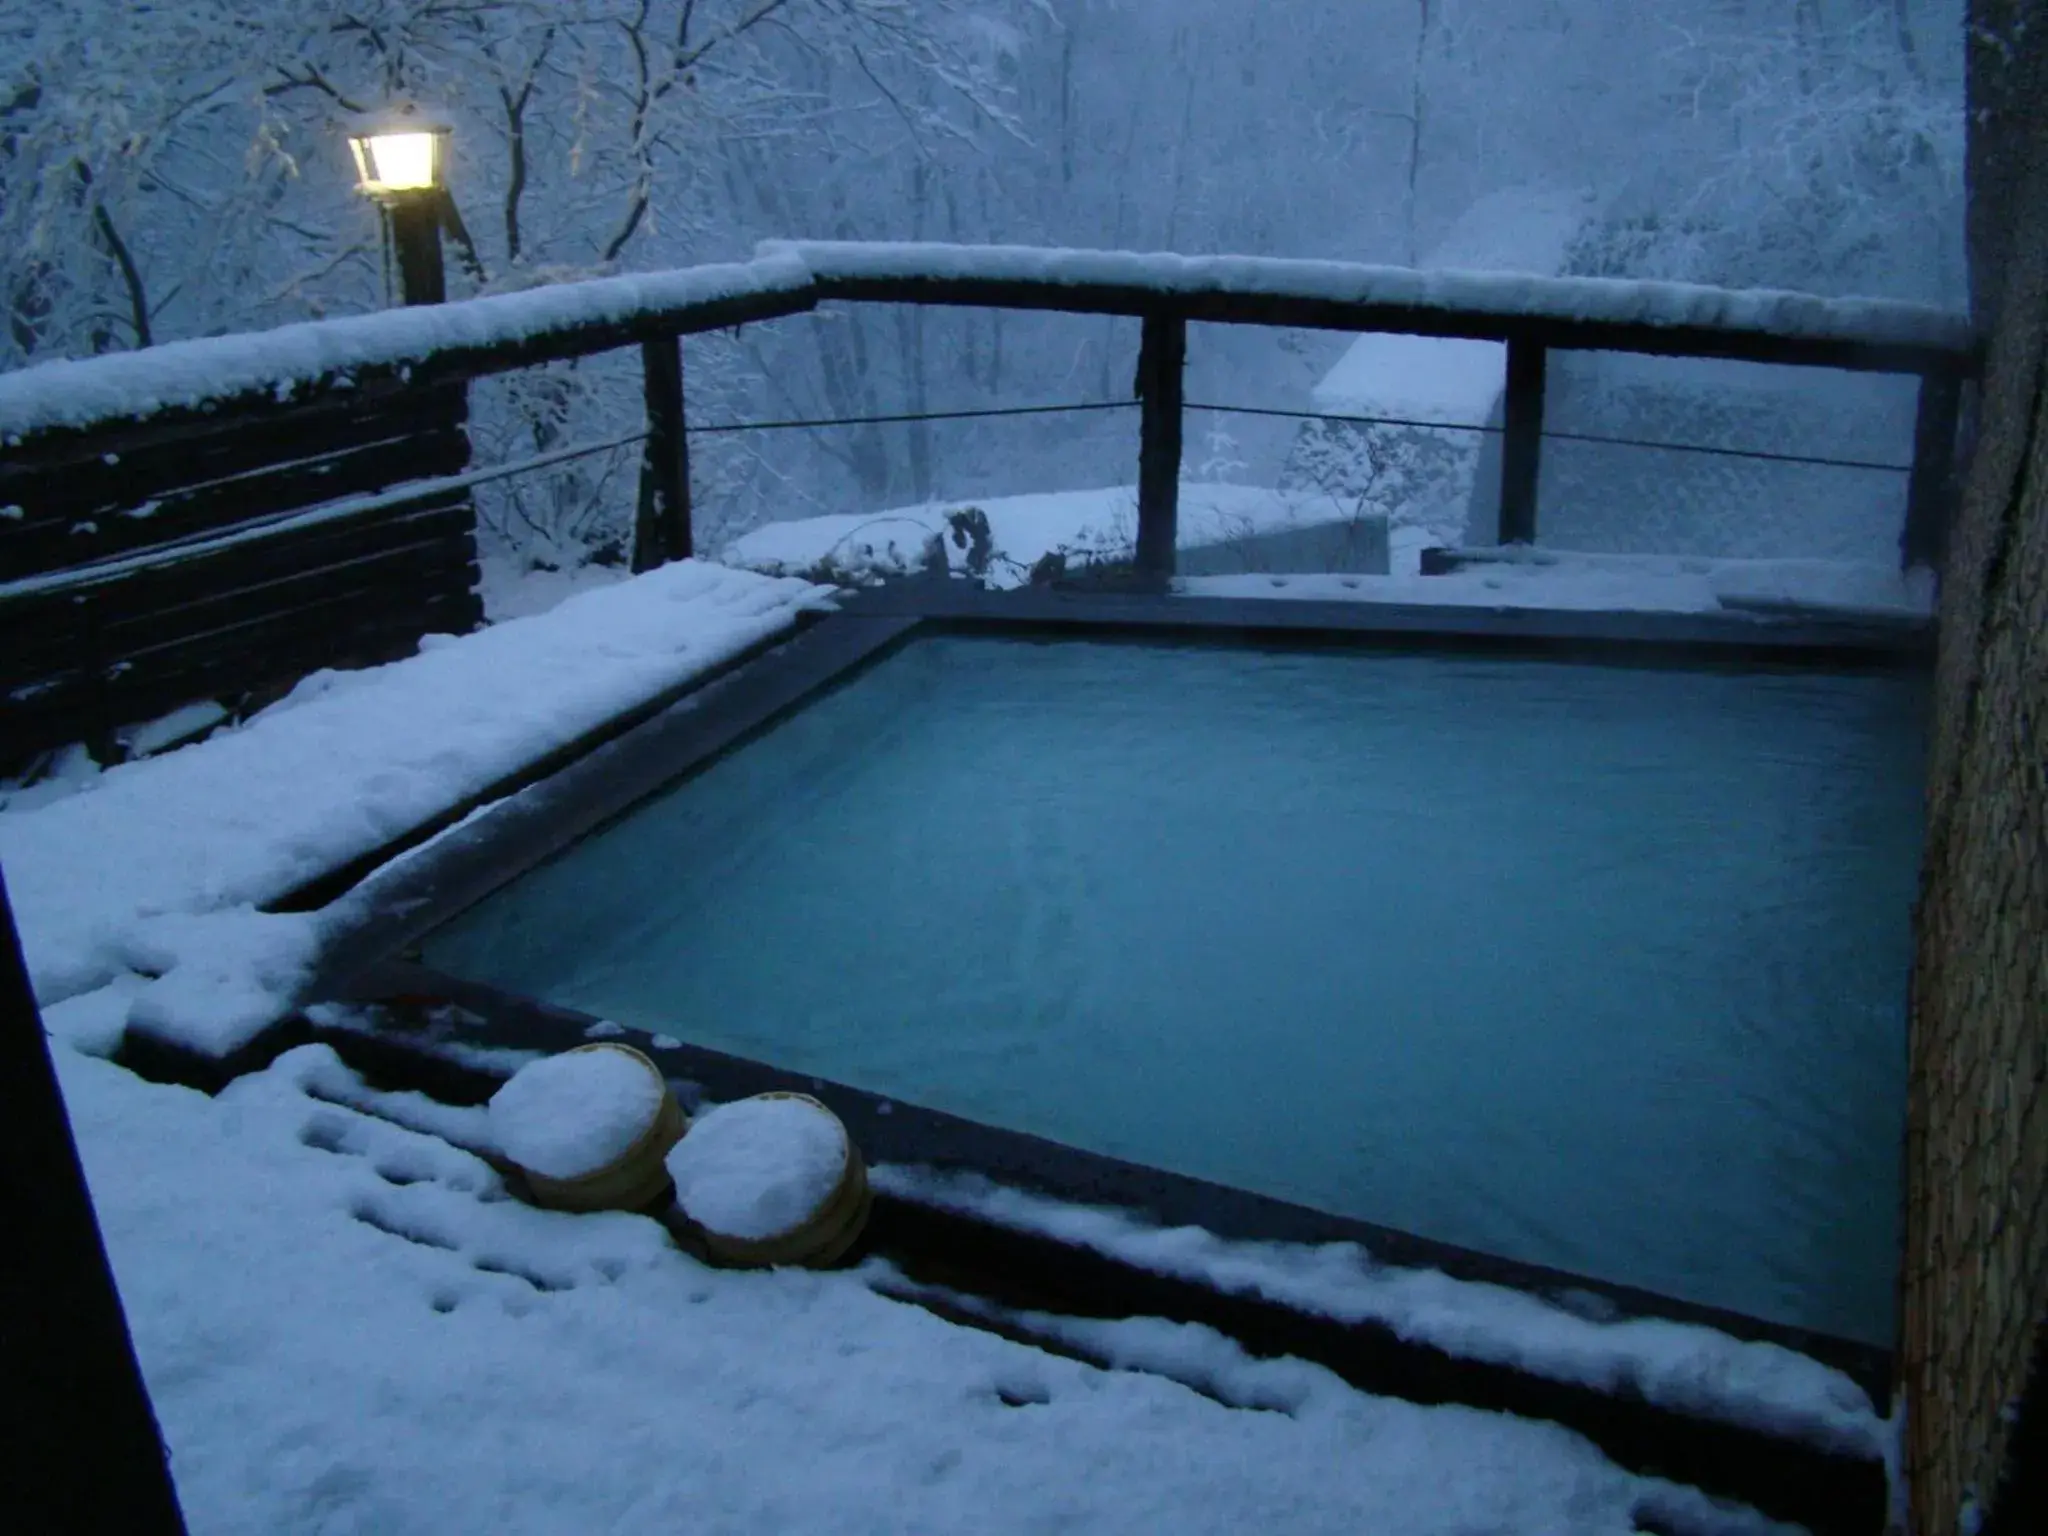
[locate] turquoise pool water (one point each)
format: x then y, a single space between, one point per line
1600 967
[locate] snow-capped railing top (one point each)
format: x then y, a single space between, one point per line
1608 313
435 343
168 386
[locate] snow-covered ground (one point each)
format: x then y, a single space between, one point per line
1101 525
512 587
1675 1365
347 1326
1083 526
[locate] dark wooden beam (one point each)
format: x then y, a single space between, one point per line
1162 358
248 642
1280 309
185 497
223 449
415 223
1932 483
76 662
1521 455
661 532
87 1452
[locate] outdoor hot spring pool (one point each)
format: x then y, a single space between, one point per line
1589 965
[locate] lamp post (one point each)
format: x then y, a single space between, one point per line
402 162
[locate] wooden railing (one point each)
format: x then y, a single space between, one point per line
1532 316
255 399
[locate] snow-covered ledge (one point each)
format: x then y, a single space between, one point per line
1686 1367
290 361
1502 295
139 896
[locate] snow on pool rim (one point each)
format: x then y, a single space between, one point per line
567 1116
759 1168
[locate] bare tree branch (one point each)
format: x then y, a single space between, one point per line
311 79
117 248
515 104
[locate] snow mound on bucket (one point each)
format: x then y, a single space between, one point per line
758 1168
568 1115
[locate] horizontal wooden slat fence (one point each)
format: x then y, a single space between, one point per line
108 623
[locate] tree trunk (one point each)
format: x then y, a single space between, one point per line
1975 1282
1418 108
2007 110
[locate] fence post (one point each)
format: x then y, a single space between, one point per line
416 239
88 1453
1934 458
661 532
1521 449
1162 355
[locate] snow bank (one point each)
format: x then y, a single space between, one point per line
482 1365
179 726
1085 526
1681 1366
511 589
1508 295
1100 525
569 1115
152 867
219 977
79 392
1217 1365
758 1168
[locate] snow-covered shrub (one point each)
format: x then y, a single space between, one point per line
1414 477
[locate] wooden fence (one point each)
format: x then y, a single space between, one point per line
219 517
172 571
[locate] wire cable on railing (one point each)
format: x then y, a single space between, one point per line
546 460
1363 421
876 421
1765 455
1562 437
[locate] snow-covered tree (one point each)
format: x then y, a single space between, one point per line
171 170
177 169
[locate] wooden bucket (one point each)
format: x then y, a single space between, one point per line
818 1242
634 1180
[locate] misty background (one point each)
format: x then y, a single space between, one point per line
180 170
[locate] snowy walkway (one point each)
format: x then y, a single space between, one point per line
346 1326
